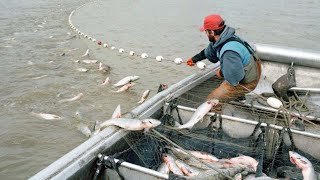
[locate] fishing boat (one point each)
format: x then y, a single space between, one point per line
247 126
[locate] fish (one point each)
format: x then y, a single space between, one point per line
84 129
72 99
40 77
247 162
214 175
126 80
238 176
198 115
170 162
204 156
103 68
82 69
46 116
88 61
116 114
163 168
186 169
125 87
198 154
86 53
132 124
304 165
144 96
106 81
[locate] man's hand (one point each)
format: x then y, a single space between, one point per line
190 62
219 74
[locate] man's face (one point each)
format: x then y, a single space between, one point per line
210 35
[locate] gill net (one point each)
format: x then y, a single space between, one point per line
262 143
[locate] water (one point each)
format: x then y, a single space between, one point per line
34 34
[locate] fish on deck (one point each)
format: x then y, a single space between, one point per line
198 115
304 165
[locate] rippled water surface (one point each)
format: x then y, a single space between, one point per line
34 34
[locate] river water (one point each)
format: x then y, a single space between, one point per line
35 34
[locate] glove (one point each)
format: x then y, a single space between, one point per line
219 74
190 62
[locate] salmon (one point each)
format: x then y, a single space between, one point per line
89 61
106 81
201 111
244 161
304 165
46 116
132 124
125 87
126 80
186 169
163 168
170 162
199 154
72 99
86 53
144 96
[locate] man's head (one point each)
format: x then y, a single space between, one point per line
213 25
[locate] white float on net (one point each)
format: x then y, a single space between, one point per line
159 58
121 50
144 55
131 53
178 60
201 65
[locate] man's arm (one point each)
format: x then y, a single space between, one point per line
199 57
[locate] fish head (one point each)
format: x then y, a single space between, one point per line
213 102
300 161
151 123
133 78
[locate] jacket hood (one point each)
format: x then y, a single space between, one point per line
226 34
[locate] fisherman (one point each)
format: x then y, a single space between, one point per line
239 66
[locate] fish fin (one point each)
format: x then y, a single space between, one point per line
96 125
117 112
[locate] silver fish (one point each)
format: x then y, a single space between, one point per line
170 162
199 154
89 61
304 165
186 169
163 168
144 96
126 80
72 99
40 77
46 116
244 161
201 111
116 114
106 81
132 124
103 68
86 54
82 70
84 129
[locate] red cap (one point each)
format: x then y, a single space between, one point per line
212 22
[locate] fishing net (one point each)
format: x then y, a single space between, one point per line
262 143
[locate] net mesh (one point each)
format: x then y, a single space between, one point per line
264 144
